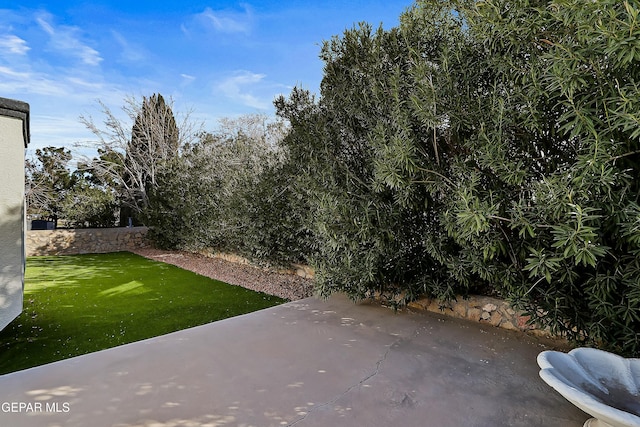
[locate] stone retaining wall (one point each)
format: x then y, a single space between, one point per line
483 309
85 241
488 310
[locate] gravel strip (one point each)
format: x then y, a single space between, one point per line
287 286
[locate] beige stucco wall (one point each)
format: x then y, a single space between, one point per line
13 140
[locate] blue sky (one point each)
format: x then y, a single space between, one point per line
219 58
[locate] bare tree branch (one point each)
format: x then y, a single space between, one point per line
133 149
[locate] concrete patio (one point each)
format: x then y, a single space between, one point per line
305 363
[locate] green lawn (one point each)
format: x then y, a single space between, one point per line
79 304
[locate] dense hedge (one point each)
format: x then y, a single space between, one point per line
226 192
478 147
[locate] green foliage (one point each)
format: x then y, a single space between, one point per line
90 206
582 67
230 191
481 145
154 142
364 238
48 181
54 192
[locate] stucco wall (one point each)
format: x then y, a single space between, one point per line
14 134
85 241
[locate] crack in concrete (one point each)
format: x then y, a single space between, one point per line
339 396
360 383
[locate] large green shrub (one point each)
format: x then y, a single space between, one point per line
230 191
480 146
483 145
580 220
368 236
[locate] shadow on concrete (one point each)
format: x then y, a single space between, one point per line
305 363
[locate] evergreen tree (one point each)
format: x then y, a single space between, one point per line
132 156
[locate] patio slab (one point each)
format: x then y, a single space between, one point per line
305 363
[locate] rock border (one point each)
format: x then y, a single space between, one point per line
483 309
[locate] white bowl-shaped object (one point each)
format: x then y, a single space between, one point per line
602 384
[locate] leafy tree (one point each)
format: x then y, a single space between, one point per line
48 181
368 234
88 205
154 142
582 221
480 146
55 192
536 95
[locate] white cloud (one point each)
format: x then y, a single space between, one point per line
62 129
56 89
14 45
48 28
226 21
236 88
17 83
14 74
187 79
79 83
129 52
246 77
66 40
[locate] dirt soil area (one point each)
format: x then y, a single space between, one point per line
288 286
